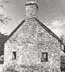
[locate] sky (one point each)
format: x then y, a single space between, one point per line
51 13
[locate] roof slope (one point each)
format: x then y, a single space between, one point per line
45 27
48 30
16 29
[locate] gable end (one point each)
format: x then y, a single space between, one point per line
45 27
48 30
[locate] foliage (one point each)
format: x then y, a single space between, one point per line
3 18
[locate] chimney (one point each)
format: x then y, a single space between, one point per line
31 8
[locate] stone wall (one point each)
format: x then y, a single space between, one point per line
1 67
30 40
31 11
31 8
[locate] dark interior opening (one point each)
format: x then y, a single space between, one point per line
14 53
44 57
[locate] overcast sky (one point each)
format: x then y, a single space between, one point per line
51 13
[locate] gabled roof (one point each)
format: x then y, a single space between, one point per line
45 27
48 30
16 29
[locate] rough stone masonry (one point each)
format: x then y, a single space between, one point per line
32 46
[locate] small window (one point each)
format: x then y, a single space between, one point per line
14 55
44 57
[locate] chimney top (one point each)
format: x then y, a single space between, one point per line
32 1
31 8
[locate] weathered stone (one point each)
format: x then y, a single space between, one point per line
29 42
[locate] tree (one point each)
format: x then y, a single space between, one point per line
3 17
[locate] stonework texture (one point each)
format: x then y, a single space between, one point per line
31 11
29 41
1 67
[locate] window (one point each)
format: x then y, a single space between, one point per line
44 57
14 55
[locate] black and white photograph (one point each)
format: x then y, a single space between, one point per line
32 35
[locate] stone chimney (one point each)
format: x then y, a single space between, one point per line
31 8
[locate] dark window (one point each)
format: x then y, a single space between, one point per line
14 55
44 57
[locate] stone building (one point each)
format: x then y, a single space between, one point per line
32 46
